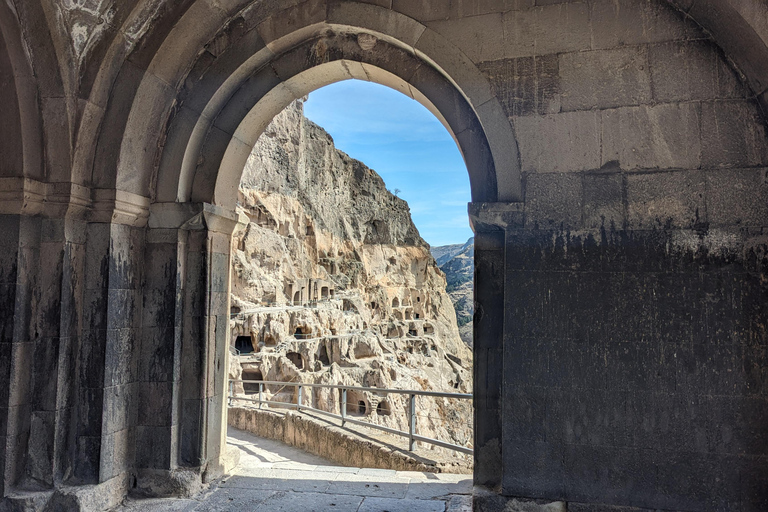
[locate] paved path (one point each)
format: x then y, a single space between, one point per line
273 477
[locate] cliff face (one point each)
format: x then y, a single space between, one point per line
332 283
458 264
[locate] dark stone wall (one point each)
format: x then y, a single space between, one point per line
636 368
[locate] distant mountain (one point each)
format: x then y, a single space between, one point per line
444 253
457 262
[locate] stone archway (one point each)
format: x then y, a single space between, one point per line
225 104
114 267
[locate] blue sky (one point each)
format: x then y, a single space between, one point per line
402 141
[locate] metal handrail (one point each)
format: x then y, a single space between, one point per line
412 393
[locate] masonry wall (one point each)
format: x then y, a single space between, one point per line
632 369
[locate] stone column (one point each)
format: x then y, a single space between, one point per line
19 254
489 221
184 352
107 392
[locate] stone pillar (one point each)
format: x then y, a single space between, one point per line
19 253
107 392
489 221
184 354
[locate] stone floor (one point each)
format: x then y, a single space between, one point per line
273 476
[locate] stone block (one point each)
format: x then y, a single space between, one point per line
87 456
116 454
247 95
604 79
402 28
481 37
191 434
95 309
72 290
7 312
526 85
666 199
9 226
97 256
57 147
155 404
120 356
547 30
692 70
191 32
444 96
737 197
92 358
52 230
154 447
126 244
559 142
652 137
119 402
122 309
456 64
67 374
146 121
553 200
292 19
158 354
733 134
423 10
631 22
45 370
39 453
604 200
90 411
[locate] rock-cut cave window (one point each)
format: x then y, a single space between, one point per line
244 345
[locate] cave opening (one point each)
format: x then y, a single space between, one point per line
323 356
296 359
251 374
383 408
244 344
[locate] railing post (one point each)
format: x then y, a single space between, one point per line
231 392
298 400
343 407
412 423
261 393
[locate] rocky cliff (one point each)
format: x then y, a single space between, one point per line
332 283
458 263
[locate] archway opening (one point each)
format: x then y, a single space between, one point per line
343 264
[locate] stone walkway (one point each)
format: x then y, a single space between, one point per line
276 477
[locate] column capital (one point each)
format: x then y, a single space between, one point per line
489 217
192 217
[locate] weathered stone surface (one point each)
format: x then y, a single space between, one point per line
732 135
631 22
654 137
692 70
553 200
546 30
604 79
671 199
576 135
526 85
